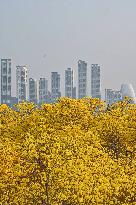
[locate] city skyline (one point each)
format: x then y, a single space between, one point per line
53 35
36 90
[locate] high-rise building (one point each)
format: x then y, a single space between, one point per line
49 99
112 96
55 86
5 81
95 81
43 91
21 83
128 91
68 82
33 90
74 92
82 79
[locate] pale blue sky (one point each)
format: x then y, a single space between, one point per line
97 31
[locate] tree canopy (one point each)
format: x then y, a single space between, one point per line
69 153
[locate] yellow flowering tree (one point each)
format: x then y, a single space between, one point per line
69 153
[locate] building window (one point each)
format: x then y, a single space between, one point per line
9 79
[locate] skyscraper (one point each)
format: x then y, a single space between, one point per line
82 79
5 81
21 83
74 92
95 81
68 82
33 90
43 91
55 86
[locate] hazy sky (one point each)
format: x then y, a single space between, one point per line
51 35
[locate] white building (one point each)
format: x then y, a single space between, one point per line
127 90
21 83
82 79
33 90
6 81
95 81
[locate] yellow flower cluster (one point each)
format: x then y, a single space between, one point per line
74 152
